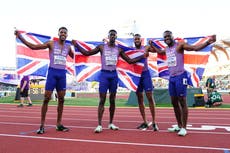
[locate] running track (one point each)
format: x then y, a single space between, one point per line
209 131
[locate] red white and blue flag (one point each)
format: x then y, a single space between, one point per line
35 62
88 67
195 61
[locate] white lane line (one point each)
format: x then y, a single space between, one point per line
114 142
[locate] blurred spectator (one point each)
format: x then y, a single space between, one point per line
24 91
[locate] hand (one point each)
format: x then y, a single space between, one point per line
146 54
74 42
16 33
150 42
212 39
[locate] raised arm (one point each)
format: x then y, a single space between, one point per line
154 49
188 47
128 59
71 53
85 52
33 46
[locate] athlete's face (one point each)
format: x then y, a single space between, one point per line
168 38
137 41
112 37
63 33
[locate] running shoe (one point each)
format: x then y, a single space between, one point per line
113 127
174 129
155 127
143 126
30 104
98 129
20 105
41 130
182 132
62 128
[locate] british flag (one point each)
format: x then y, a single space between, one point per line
152 60
88 67
195 61
35 62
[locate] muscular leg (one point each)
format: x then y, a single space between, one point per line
44 108
112 106
140 99
151 101
101 107
177 110
60 95
184 111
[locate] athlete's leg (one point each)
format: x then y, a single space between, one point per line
61 95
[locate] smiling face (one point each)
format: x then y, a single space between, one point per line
63 33
137 40
168 38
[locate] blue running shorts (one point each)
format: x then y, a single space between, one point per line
145 82
56 78
108 80
178 85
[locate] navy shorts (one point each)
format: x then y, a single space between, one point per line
108 81
24 93
56 78
145 82
178 85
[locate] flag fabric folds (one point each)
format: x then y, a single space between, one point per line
195 61
35 62
87 68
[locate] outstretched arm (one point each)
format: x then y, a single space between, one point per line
128 59
85 52
30 45
154 49
188 47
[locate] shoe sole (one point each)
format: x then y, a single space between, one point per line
182 135
62 130
97 131
173 131
39 132
114 129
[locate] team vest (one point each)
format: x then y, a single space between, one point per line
109 58
175 61
58 56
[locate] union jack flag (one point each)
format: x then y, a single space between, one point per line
152 60
194 61
35 62
88 67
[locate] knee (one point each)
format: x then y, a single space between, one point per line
61 99
47 99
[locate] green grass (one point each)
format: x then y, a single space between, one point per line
88 102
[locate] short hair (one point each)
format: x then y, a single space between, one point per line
167 31
137 35
62 28
112 30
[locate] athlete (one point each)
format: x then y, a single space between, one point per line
109 78
145 84
56 78
178 76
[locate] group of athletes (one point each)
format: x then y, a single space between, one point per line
110 52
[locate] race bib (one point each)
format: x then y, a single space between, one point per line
61 60
57 51
110 58
171 60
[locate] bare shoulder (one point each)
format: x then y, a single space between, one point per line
101 46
